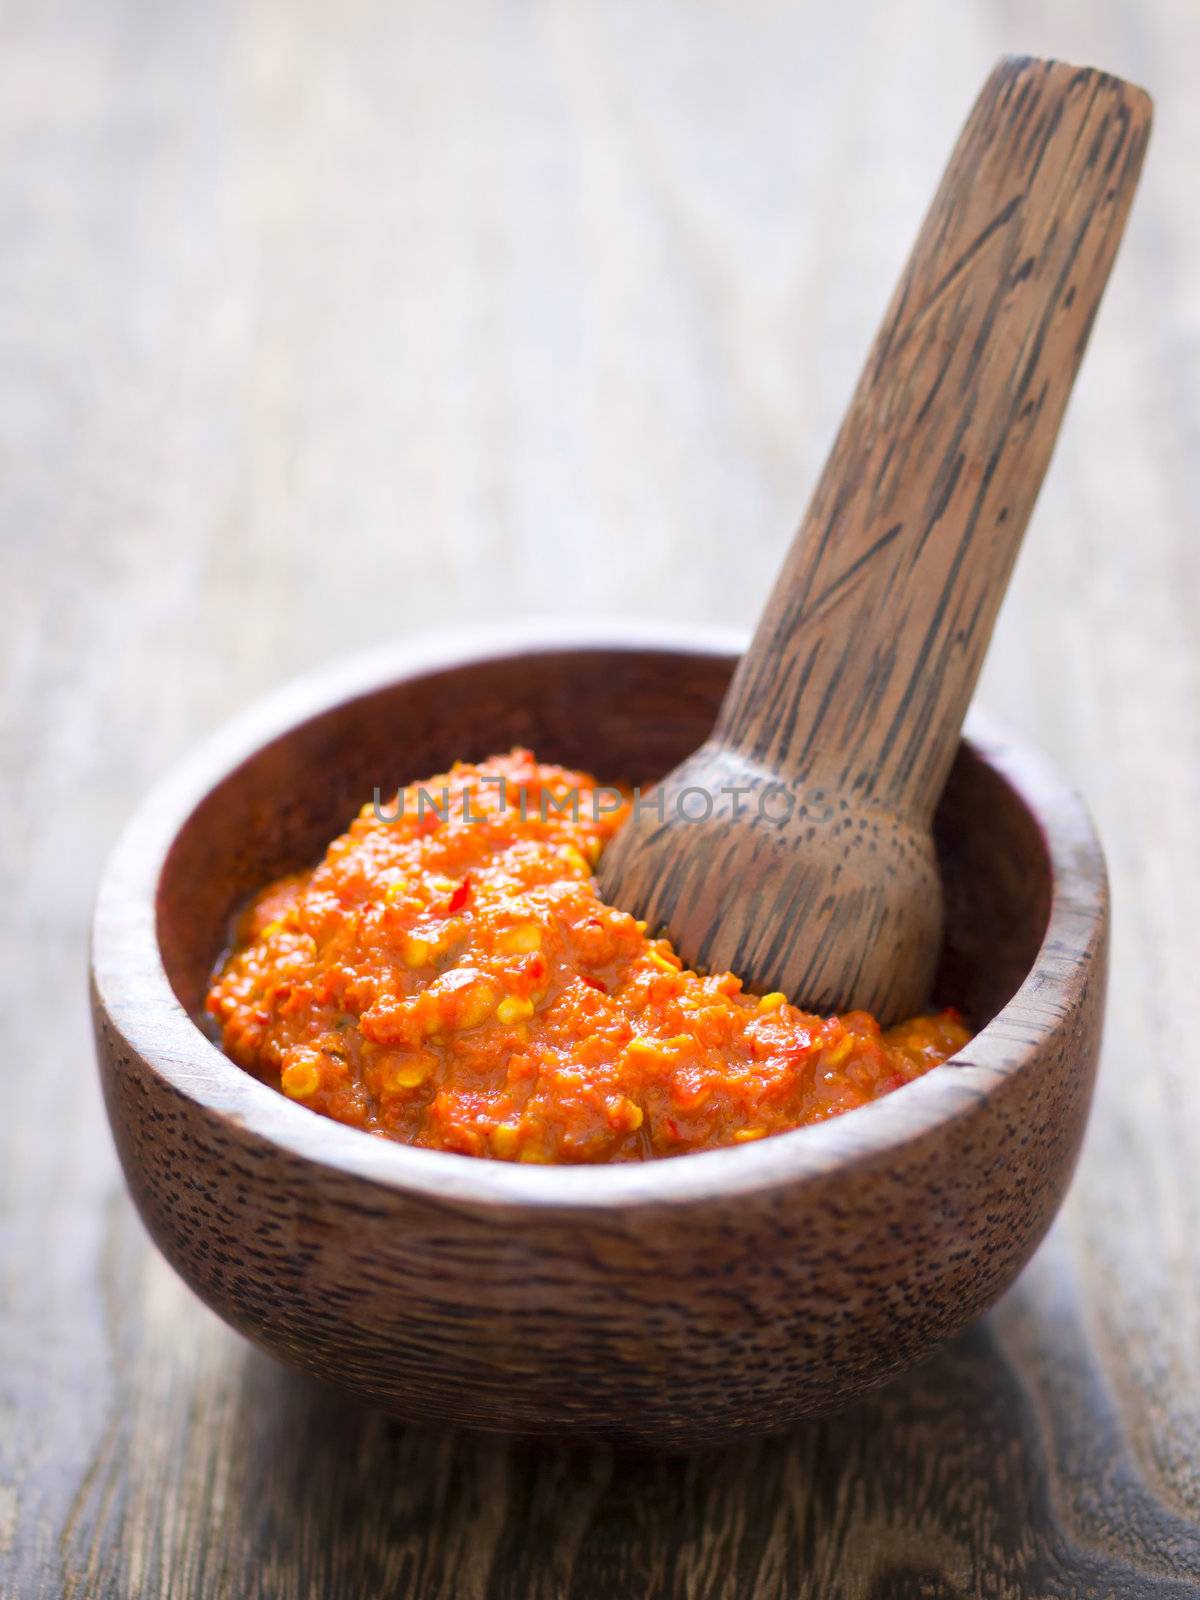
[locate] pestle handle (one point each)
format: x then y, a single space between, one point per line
868 651
845 712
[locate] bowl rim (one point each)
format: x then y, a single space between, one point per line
132 991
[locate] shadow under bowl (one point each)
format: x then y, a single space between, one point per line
669 1303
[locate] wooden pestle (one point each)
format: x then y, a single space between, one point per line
794 847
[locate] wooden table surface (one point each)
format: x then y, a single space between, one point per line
322 323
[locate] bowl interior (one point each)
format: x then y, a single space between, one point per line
626 714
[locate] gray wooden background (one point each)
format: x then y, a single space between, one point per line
326 320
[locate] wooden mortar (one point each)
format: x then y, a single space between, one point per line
670 1302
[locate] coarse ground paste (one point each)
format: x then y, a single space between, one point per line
449 977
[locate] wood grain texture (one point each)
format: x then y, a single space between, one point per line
592 329
667 1304
794 847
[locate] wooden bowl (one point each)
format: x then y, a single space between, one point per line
669 1303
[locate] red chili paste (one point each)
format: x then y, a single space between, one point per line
449 977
